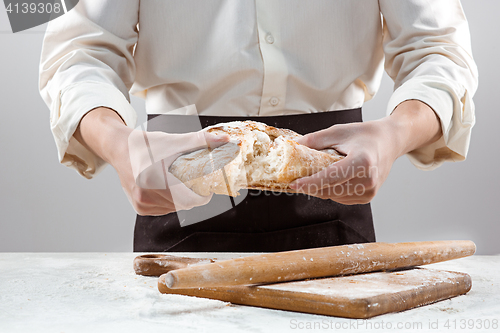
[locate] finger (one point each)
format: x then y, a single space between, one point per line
349 201
147 202
336 194
216 139
351 192
322 139
157 181
334 174
337 191
148 148
161 202
184 198
345 193
158 211
169 146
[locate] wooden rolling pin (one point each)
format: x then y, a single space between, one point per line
315 263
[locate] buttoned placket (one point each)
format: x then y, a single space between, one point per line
274 64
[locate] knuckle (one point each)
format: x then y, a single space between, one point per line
370 183
308 140
360 201
304 140
366 160
141 209
162 212
141 197
370 194
350 203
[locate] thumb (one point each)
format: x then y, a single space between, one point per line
169 146
148 148
216 139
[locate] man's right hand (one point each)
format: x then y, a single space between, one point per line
142 159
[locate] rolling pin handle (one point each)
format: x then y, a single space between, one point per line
170 280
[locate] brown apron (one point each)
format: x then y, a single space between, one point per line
263 221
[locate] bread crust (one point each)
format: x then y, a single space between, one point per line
258 156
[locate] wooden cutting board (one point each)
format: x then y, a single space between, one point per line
354 296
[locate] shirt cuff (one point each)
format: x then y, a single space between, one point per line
455 109
69 107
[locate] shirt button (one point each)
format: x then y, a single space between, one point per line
274 101
269 38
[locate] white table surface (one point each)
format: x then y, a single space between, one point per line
99 292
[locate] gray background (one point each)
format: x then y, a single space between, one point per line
47 207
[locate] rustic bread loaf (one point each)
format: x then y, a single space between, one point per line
258 156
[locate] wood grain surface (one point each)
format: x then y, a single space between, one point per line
356 296
158 264
315 263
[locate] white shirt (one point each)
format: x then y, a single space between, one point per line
257 58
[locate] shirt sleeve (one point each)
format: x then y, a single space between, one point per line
87 62
428 55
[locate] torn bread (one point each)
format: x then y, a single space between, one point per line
258 156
